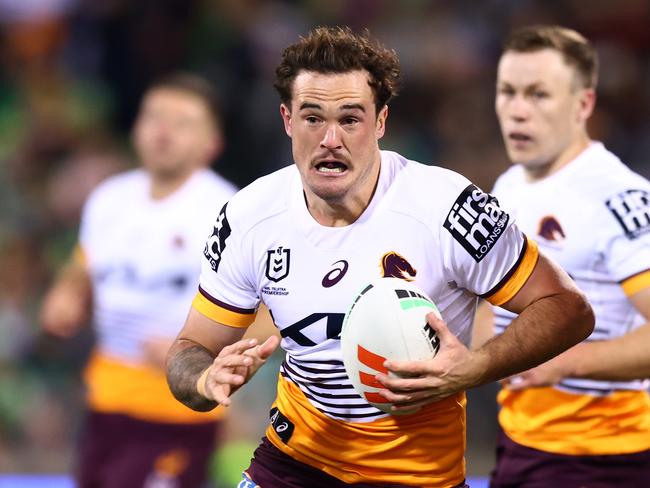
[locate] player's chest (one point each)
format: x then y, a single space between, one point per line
303 284
143 246
564 226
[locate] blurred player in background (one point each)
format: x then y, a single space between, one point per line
135 271
582 419
305 239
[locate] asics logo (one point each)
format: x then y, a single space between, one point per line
334 276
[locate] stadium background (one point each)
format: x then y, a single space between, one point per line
72 72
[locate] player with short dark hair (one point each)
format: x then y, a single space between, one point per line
347 206
133 274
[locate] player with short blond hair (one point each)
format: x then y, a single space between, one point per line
583 418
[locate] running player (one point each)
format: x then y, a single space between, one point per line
306 238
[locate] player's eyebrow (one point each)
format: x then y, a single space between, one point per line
347 106
353 106
305 105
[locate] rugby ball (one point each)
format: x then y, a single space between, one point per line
386 320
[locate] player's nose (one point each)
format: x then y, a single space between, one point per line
331 138
518 108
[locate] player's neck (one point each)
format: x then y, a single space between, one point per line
163 186
340 213
334 214
563 159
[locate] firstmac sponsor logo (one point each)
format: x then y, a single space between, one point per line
476 221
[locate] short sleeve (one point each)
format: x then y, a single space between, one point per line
486 252
628 246
94 221
85 232
226 293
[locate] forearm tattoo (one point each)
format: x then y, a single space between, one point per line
184 367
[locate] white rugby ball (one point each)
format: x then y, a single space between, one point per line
387 320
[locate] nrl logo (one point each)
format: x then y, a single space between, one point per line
277 263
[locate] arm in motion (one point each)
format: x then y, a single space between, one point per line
553 316
209 361
67 304
624 358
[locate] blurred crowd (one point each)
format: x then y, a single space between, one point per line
71 75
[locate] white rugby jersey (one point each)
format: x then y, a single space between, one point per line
593 218
425 224
143 256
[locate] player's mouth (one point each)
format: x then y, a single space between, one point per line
519 137
331 167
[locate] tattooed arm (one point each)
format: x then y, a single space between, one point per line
209 361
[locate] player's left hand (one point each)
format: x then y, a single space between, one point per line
418 383
235 365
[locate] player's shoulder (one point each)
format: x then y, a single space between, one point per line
618 197
208 184
264 198
602 175
430 177
208 178
119 188
444 199
512 176
422 188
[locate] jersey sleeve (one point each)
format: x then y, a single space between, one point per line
85 232
499 185
486 252
226 293
628 240
94 221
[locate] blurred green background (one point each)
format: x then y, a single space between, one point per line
72 73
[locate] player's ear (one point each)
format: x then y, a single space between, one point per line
285 113
216 145
381 122
587 102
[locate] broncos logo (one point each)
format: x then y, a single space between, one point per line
395 266
550 229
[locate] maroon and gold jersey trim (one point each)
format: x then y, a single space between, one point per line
422 449
517 276
137 390
636 283
221 312
567 423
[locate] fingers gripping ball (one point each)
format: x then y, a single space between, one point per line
387 320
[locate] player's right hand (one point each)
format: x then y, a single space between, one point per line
416 384
235 365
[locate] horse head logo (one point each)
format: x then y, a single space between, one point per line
395 266
551 230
